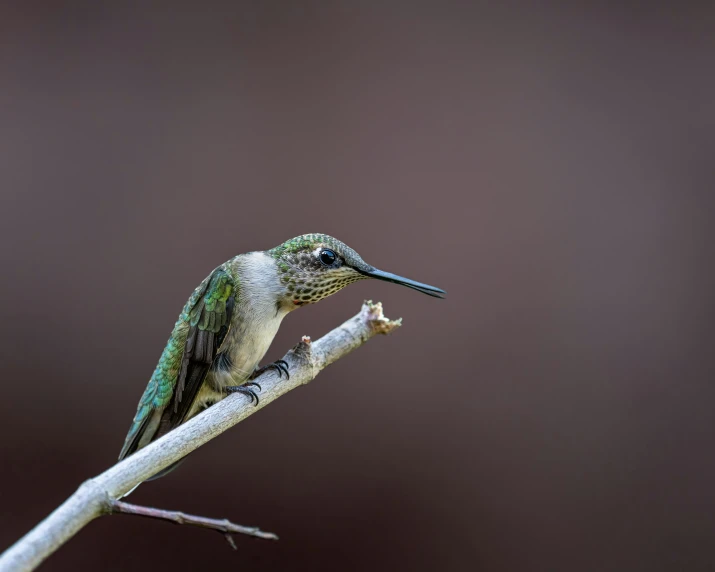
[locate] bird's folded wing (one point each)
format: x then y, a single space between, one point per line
187 358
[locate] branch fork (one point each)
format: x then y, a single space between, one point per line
100 495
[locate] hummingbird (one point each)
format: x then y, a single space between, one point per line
229 322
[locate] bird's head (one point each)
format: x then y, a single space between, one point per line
314 266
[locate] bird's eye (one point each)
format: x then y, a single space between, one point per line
327 257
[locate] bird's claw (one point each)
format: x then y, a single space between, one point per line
281 366
245 389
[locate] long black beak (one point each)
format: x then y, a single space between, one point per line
390 277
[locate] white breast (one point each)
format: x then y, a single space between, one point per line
257 314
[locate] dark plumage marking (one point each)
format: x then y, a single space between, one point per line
210 320
224 329
222 363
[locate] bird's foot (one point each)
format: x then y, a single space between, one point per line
281 366
245 389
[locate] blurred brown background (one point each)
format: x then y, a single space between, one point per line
550 166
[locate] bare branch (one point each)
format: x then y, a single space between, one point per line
96 496
224 526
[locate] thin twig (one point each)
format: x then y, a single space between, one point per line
224 526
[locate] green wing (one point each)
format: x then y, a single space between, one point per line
195 340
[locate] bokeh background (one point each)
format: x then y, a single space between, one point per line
550 166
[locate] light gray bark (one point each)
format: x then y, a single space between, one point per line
94 497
